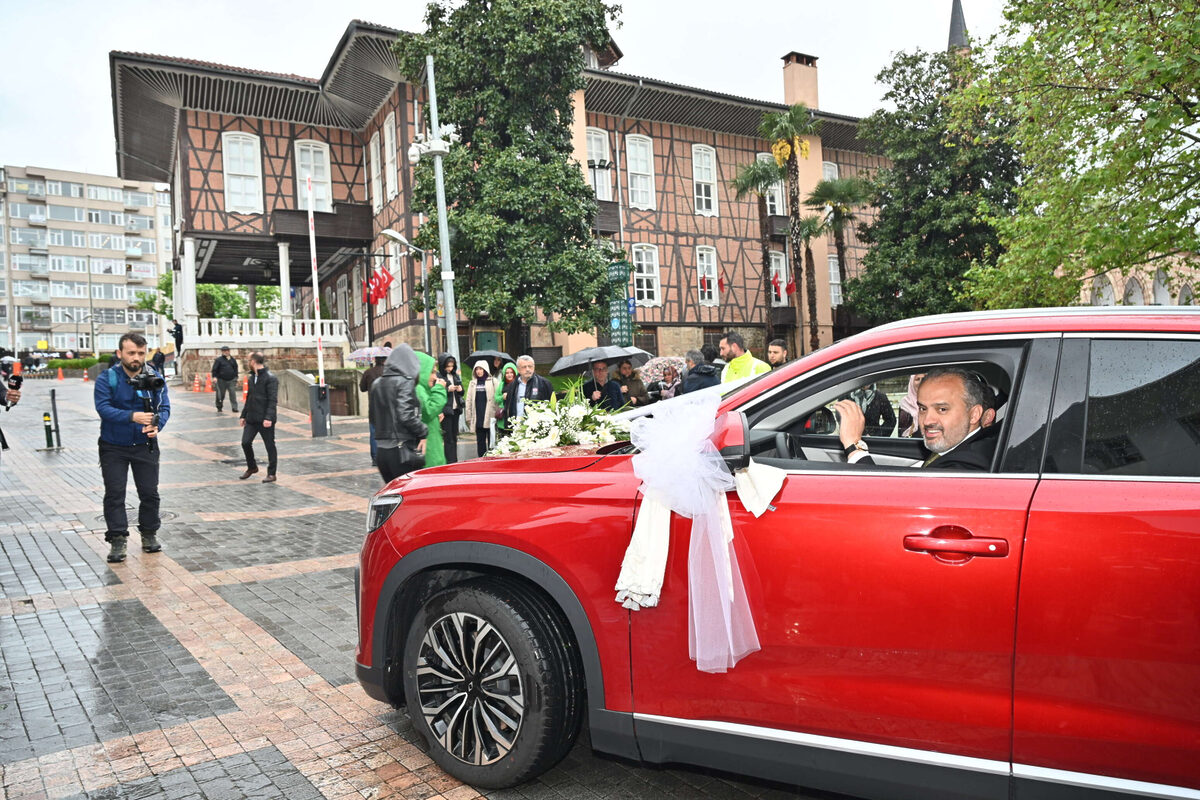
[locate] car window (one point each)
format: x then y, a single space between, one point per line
1143 408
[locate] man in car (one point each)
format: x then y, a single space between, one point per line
952 406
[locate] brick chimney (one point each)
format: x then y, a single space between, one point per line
800 79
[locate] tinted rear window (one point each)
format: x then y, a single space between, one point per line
1143 412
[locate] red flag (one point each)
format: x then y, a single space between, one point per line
775 282
791 286
704 284
721 283
369 290
380 280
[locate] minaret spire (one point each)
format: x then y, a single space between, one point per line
958 28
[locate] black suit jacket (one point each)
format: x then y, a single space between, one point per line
262 398
974 454
538 388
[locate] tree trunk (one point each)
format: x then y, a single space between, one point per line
514 338
810 286
839 244
252 300
764 238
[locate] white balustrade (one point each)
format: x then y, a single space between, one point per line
279 332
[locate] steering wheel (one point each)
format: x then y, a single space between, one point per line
783 445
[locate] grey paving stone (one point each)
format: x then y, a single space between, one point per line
263 773
81 675
363 485
34 563
210 546
312 615
248 495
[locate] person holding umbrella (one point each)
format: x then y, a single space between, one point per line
631 386
601 390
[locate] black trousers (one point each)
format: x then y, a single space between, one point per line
482 440
450 437
115 463
251 430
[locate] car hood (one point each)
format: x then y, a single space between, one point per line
554 459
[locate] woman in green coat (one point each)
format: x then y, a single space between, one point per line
507 375
431 396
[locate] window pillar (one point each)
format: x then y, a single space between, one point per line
285 288
187 274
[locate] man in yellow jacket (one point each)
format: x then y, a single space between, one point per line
739 362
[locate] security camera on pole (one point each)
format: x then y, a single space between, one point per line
437 147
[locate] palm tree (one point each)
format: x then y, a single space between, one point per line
838 198
809 228
757 178
788 133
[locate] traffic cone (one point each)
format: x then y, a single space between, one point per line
208 384
60 377
245 387
16 368
85 377
196 383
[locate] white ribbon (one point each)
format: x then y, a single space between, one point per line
682 472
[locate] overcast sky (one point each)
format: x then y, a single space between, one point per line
56 109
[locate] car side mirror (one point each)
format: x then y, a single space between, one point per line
820 422
731 437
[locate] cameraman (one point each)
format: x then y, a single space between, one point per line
11 391
132 402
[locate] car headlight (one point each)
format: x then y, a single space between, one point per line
381 507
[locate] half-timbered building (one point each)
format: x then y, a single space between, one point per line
239 147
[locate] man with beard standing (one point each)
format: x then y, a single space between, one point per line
258 417
128 441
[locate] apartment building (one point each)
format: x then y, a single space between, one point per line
78 251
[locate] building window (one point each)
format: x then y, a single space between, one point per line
645 275
706 275
389 155
243 173
394 266
704 179
312 161
598 163
646 339
829 171
779 279
374 166
33 237
356 292
343 298
640 154
835 281
1134 296
775 206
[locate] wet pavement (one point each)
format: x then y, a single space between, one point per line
222 667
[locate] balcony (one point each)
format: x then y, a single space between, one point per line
778 225
39 270
37 219
35 325
136 325
36 193
273 332
133 252
39 299
608 217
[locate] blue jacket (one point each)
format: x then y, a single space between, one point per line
116 407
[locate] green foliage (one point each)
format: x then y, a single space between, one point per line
213 300
521 211
1105 98
757 178
838 198
70 363
939 199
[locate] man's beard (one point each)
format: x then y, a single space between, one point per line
942 443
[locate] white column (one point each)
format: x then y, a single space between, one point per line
286 314
187 272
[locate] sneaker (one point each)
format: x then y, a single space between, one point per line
116 550
150 543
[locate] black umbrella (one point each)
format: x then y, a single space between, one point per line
488 355
576 362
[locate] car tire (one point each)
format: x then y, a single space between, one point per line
492 682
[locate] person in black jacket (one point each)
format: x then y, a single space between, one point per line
700 374
881 419
602 391
953 406
528 386
396 415
258 417
225 372
448 371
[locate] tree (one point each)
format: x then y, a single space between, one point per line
521 215
758 178
808 228
938 198
838 198
1107 114
788 133
212 299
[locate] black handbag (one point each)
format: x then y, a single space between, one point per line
410 457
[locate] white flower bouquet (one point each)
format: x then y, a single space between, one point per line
555 423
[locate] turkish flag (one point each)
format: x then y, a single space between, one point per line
775 282
791 286
721 283
382 279
703 283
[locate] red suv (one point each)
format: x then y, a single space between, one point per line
1031 630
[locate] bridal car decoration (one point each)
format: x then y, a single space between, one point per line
557 423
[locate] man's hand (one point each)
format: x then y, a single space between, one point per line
242 422
13 396
596 396
852 422
143 418
624 390
441 417
421 447
150 430
267 423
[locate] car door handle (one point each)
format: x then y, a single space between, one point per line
955 544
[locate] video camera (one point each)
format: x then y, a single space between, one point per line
147 380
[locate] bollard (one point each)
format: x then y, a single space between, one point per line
49 429
54 411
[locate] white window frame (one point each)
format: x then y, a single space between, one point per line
835 281
343 297
647 283
356 295
247 175
389 155
776 194
597 151
706 267
779 266
829 171
373 166
322 188
641 179
394 266
704 180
